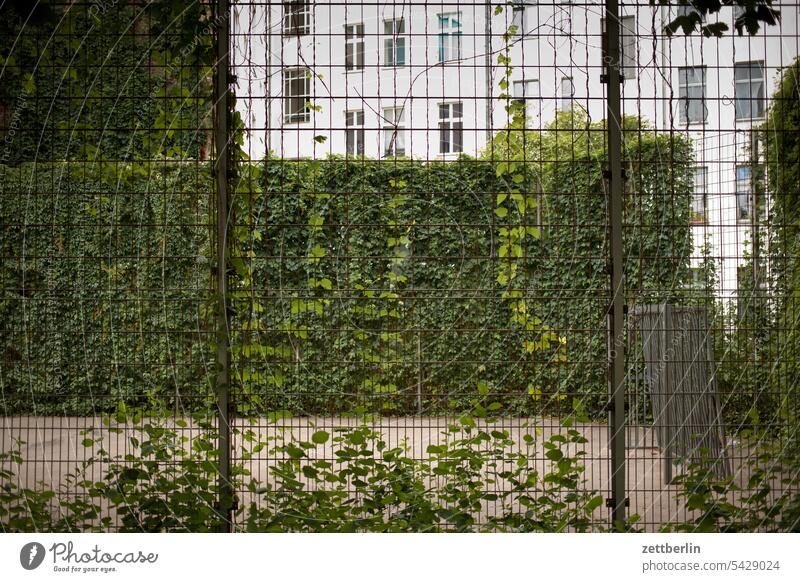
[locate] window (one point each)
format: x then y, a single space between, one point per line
526 89
627 45
692 94
451 128
296 18
449 37
627 49
354 47
394 132
700 196
567 93
519 20
696 279
743 190
296 95
527 92
394 46
749 90
354 132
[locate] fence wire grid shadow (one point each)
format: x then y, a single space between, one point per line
386 266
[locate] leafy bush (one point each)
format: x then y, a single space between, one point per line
781 135
762 495
40 508
474 479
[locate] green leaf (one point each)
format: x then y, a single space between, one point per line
320 437
593 504
554 455
294 451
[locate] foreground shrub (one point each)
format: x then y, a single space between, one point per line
474 479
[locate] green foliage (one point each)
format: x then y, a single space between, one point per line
168 481
762 495
754 15
104 286
475 478
749 385
144 242
127 82
568 278
375 268
40 508
781 136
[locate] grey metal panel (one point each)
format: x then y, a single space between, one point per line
680 375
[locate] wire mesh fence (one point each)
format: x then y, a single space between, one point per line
335 266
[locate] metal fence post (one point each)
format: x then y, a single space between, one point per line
616 339
488 71
221 175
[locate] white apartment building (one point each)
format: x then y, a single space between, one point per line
421 79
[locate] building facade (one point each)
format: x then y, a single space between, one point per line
422 80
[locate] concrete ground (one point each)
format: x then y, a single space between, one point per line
53 447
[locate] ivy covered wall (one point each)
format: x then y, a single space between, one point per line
372 284
104 280
113 80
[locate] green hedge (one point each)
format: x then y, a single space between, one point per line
104 279
782 144
105 284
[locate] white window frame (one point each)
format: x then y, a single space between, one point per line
528 92
449 37
296 18
451 128
519 17
696 279
567 98
685 99
354 47
394 139
627 45
700 195
747 84
289 114
394 42
744 192
354 132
